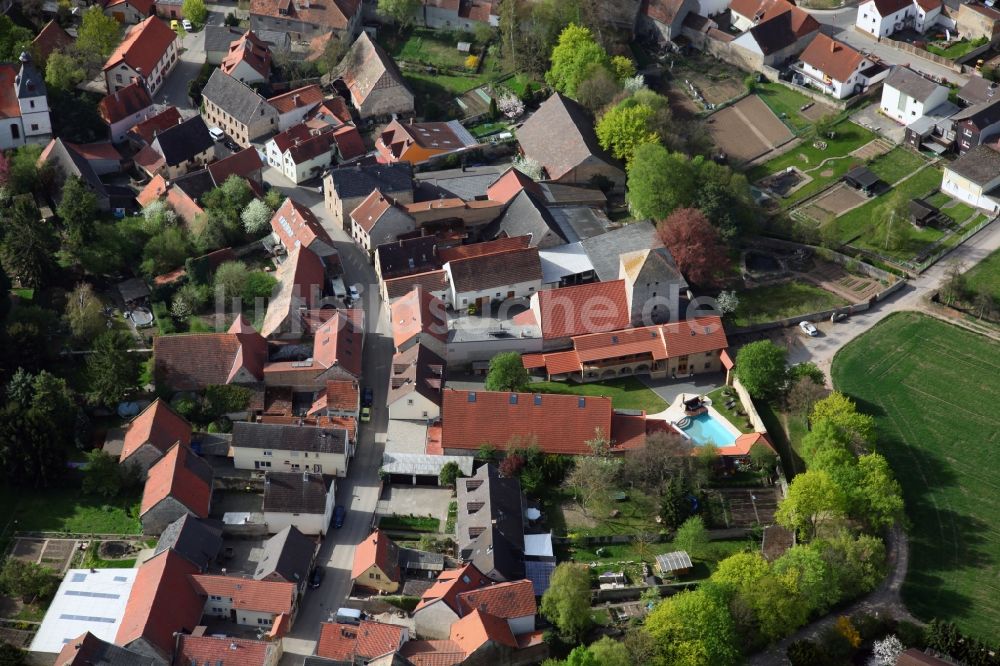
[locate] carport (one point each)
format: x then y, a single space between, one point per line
420 468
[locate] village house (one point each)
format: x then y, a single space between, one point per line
346 187
378 220
195 361
407 256
87 162
662 19
237 109
374 84
196 540
365 642
527 216
148 52
294 225
305 19
50 38
245 601
976 125
151 434
907 96
653 286
481 280
975 178
376 564
248 59
977 20
489 527
219 39
419 143
178 150
300 499
301 277
23 98
88 650
179 483
835 68
560 136
203 649
464 15
479 638
563 313
302 153
290 448
143 134
775 31
125 108
130 11
419 319
335 354
339 398
294 105
287 557
881 18
438 608
416 380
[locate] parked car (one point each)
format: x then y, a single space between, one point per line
174 24
187 25
339 514
367 397
838 316
808 329
366 414
352 292
316 577
216 133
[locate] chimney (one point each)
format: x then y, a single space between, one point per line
833 46
295 99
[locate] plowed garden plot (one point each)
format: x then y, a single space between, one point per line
747 130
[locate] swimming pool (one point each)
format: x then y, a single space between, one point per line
705 428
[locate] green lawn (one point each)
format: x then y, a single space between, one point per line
782 300
785 103
860 222
410 523
719 398
807 157
628 393
956 50
606 516
422 45
985 276
932 390
67 510
896 164
782 437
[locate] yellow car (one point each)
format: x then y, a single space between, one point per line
174 24
366 414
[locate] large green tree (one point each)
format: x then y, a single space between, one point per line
694 628
402 12
692 537
658 181
102 475
77 209
567 601
506 373
841 411
63 71
813 498
624 128
573 57
85 313
113 371
36 429
761 368
98 35
878 493
29 246
195 11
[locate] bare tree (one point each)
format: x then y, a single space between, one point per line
665 455
953 287
804 394
591 478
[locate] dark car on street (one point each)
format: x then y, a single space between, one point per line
339 514
367 397
316 577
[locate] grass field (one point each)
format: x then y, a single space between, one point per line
956 50
422 45
806 157
932 390
628 393
719 398
782 300
785 103
67 510
985 276
896 164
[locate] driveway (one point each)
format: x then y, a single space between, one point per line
192 57
416 500
669 389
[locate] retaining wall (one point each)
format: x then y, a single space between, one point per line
755 420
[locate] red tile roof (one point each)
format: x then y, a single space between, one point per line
296 99
143 46
432 653
150 160
504 600
745 442
727 360
158 425
590 308
51 38
9 107
262 596
180 474
144 6
250 49
481 249
368 212
628 431
161 603
835 59
339 342
196 360
124 102
349 142
224 650
339 395
662 11
300 284
557 423
379 550
300 227
417 312
430 281
368 640
99 150
509 185
477 628
244 164
450 583
148 129
311 147
335 14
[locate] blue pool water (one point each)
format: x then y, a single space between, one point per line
704 429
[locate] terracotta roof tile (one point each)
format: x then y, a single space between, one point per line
504 600
124 102
558 423
368 212
368 640
339 395
148 129
296 99
377 549
450 583
158 425
244 164
144 6
224 650
196 360
430 281
339 342
249 49
476 629
628 431
835 59
143 46
662 11
366 66
418 312
349 142
509 184
180 474
263 596
334 14
590 308
295 224
51 38
432 653
480 249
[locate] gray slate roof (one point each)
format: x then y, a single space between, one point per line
909 82
232 96
360 180
467 183
193 539
978 90
289 553
30 82
294 492
605 249
93 651
70 163
525 215
980 165
289 437
501 545
183 141
219 37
